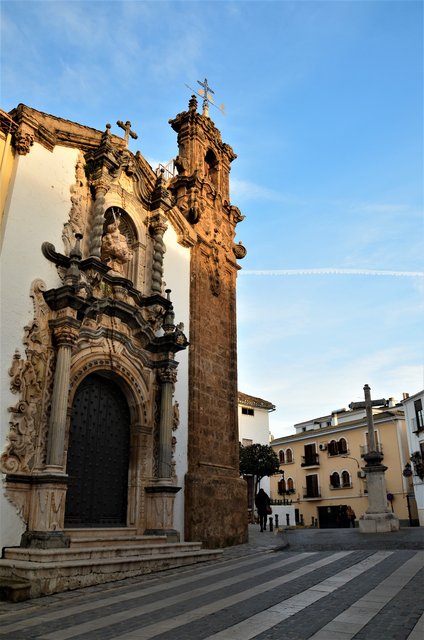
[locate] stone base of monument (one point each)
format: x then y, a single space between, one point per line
378 523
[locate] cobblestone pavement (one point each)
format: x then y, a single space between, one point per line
278 586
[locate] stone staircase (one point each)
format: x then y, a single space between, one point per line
94 557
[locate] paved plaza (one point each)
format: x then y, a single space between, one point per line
301 584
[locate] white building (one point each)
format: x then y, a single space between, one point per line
253 420
414 417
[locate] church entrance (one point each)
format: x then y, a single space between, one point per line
98 455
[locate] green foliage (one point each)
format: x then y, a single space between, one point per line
258 460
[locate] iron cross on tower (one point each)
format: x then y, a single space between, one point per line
206 95
127 128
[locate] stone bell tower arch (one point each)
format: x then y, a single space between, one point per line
215 496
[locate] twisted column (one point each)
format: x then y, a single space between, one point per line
96 231
65 337
158 227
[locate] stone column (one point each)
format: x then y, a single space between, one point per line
168 378
158 227
96 231
65 335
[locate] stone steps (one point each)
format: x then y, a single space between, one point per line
47 571
108 538
110 551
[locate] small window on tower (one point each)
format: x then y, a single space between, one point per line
247 412
211 167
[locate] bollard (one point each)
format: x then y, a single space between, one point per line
276 520
302 522
288 519
271 524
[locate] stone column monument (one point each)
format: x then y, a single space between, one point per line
378 518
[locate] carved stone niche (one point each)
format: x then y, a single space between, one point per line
118 243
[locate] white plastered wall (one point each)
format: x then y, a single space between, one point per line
177 278
38 208
255 428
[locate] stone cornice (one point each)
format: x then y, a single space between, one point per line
49 130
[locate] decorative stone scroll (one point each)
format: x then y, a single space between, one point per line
31 378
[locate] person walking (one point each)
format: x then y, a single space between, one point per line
263 505
351 516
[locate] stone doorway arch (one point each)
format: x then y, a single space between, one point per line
98 455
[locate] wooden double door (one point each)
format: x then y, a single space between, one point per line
98 455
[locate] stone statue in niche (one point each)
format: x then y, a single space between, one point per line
115 249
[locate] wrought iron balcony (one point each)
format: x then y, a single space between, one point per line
311 494
310 461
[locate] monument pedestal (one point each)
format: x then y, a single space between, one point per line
160 500
378 523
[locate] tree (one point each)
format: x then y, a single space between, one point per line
258 460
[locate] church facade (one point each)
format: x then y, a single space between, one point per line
118 357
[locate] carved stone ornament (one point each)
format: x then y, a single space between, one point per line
31 378
23 141
239 251
167 375
115 249
79 204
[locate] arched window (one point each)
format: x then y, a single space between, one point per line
342 446
346 479
289 455
281 487
332 448
281 456
211 167
335 480
290 485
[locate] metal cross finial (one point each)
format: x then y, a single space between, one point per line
127 128
206 95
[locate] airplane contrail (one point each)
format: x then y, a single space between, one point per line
331 271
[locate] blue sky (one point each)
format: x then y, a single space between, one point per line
324 107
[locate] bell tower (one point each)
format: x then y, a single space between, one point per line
215 495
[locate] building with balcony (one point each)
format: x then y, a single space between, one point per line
321 466
414 416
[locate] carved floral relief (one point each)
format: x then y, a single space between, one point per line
31 379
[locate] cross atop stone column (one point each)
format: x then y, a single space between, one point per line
127 128
368 405
377 518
